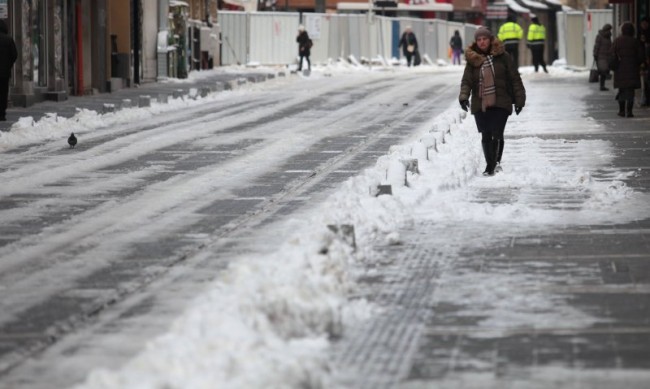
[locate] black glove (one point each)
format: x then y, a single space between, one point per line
464 105
518 109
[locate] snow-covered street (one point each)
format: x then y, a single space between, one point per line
186 245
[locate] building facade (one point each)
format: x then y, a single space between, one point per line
79 47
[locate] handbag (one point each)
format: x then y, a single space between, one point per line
614 62
410 48
593 73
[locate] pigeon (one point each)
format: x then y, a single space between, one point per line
72 140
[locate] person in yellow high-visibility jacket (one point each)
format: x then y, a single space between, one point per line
510 33
536 41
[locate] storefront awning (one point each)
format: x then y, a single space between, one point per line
531 4
178 3
514 6
437 7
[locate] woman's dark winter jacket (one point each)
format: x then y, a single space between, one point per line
304 44
509 88
8 54
408 38
603 49
631 55
456 42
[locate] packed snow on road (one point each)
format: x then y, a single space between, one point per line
269 319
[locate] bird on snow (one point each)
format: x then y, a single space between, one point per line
72 140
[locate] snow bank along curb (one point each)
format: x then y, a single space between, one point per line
27 130
267 321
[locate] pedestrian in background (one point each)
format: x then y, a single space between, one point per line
536 42
602 53
631 55
510 33
304 47
493 83
409 44
8 56
644 38
456 44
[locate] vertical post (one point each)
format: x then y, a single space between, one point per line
51 46
136 40
80 47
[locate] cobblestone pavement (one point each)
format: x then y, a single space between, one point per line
478 305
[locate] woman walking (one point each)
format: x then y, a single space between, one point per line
493 83
629 53
602 53
456 45
409 44
304 47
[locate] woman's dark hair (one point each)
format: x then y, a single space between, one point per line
3 27
627 29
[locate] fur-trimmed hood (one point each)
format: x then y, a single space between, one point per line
474 56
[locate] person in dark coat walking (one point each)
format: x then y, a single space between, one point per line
493 82
456 44
304 47
603 53
8 56
409 44
627 77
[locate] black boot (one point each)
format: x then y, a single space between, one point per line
628 109
621 108
602 82
499 153
489 153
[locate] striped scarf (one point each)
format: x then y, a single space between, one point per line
487 89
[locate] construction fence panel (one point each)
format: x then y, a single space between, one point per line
235 29
594 22
270 38
336 45
318 27
442 41
357 42
570 37
273 37
385 47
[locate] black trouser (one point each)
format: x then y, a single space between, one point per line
409 58
602 76
4 95
308 62
491 123
513 50
646 88
538 56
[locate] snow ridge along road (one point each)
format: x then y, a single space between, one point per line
84 229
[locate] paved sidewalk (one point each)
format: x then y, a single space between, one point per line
478 305
209 82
